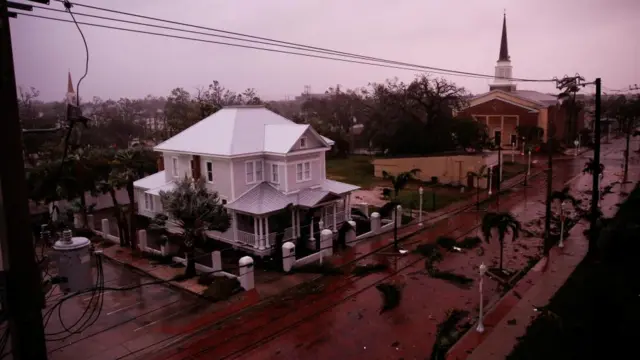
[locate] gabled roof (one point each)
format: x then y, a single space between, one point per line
238 130
530 99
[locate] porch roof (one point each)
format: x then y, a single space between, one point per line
264 198
155 183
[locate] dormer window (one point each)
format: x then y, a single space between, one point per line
303 142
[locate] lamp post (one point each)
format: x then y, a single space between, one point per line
576 143
480 326
529 164
420 191
513 152
490 169
561 243
523 143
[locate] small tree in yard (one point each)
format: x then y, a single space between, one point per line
503 222
400 181
193 209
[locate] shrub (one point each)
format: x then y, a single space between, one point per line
222 288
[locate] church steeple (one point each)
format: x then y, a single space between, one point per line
504 46
70 84
71 94
503 70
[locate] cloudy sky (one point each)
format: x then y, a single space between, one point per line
547 38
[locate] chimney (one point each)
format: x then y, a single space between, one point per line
195 167
160 163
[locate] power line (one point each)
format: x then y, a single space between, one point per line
286 44
235 45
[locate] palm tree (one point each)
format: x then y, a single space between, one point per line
503 222
400 181
193 209
636 133
130 165
480 174
564 196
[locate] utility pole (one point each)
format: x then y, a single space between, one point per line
24 289
596 169
547 216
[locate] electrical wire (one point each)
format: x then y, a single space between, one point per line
279 43
381 62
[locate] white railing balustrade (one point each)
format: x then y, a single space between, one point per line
246 238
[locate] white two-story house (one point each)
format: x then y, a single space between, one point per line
259 163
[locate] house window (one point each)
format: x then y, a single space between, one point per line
303 142
224 202
248 166
209 171
174 168
303 171
259 170
254 171
148 202
275 177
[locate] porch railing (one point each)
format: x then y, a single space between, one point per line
328 220
288 235
246 238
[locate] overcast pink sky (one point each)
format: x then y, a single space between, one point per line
597 38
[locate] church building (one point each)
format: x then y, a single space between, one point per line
504 107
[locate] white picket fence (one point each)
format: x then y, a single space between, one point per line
245 264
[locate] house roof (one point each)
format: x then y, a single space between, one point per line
239 130
264 198
536 96
152 181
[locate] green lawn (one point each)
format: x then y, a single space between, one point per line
410 198
355 169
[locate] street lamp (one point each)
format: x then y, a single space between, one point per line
490 169
480 326
420 191
513 152
576 143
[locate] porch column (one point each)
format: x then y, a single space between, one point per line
344 202
256 233
261 231
234 224
293 223
311 238
267 244
335 211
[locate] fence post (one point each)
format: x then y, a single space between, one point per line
246 273
366 208
142 240
375 222
91 224
288 256
326 241
351 234
105 228
216 261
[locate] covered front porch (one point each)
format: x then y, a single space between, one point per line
260 215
